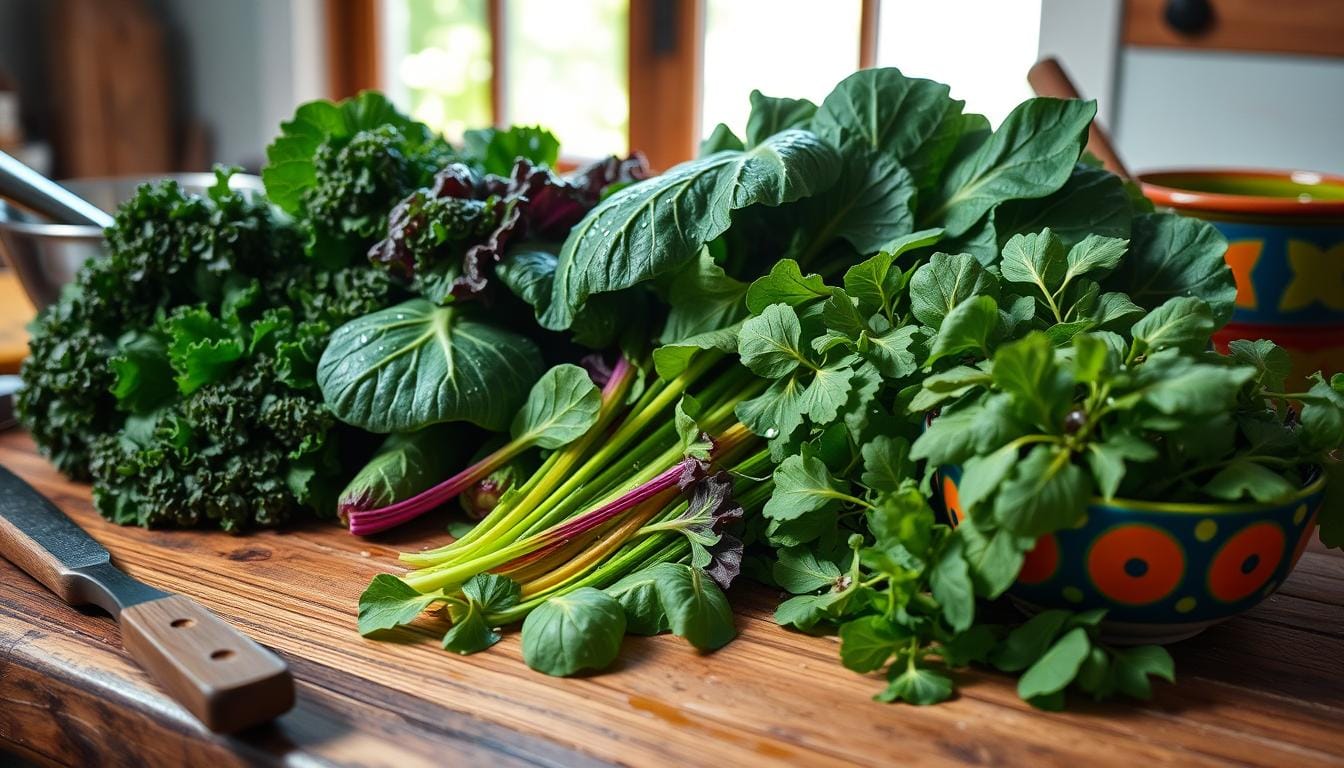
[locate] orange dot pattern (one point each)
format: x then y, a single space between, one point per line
1136 564
1246 562
1041 562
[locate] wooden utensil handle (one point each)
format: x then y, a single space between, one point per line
223 678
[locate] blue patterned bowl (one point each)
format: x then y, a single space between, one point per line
1163 572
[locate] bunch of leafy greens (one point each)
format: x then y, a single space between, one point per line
1034 303
178 372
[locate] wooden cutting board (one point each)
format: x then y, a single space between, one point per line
1265 689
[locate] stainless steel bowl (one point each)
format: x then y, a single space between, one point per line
46 256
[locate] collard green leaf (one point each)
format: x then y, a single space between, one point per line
1057 668
638 596
771 114
867 206
561 407
390 602
653 227
1031 155
946 281
720 139
703 298
696 608
1092 202
415 364
572 632
496 150
769 343
914 122
785 284
1172 255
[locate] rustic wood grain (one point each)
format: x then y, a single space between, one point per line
1302 27
1261 690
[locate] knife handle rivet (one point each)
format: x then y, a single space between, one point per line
222 655
182 623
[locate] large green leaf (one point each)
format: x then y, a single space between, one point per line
1031 155
289 159
772 114
654 227
869 206
1092 202
1172 255
415 364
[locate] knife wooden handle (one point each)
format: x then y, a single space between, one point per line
223 678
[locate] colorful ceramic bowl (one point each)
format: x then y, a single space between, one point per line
1285 233
1163 572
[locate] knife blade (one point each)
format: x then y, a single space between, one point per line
223 678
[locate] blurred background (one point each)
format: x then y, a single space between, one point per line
97 87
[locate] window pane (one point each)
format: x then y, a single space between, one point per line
437 55
566 70
982 48
795 48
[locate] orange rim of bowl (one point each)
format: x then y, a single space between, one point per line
1156 188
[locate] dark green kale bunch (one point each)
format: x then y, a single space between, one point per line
340 168
178 372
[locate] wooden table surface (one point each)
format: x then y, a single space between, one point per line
1265 689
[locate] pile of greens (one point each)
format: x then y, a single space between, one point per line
794 310
641 388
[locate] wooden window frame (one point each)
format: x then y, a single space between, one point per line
665 58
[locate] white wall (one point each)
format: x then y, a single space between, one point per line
1179 108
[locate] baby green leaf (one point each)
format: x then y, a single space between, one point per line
670 360
390 602
653 227
995 557
951 585
573 632
1244 478
1107 460
1044 493
798 570
415 364
867 642
965 329
916 685
1054 671
828 391
1323 413
802 485
886 463
638 595
946 281
1037 259
769 343
1029 641
703 298
785 284
949 384
1095 253
982 475
777 411
873 282
694 442
891 352
492 592
1134 667
562 406
1031 155
696 608
1270 361
806 611
471 633
1026 370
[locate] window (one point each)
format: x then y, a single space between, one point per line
579 67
